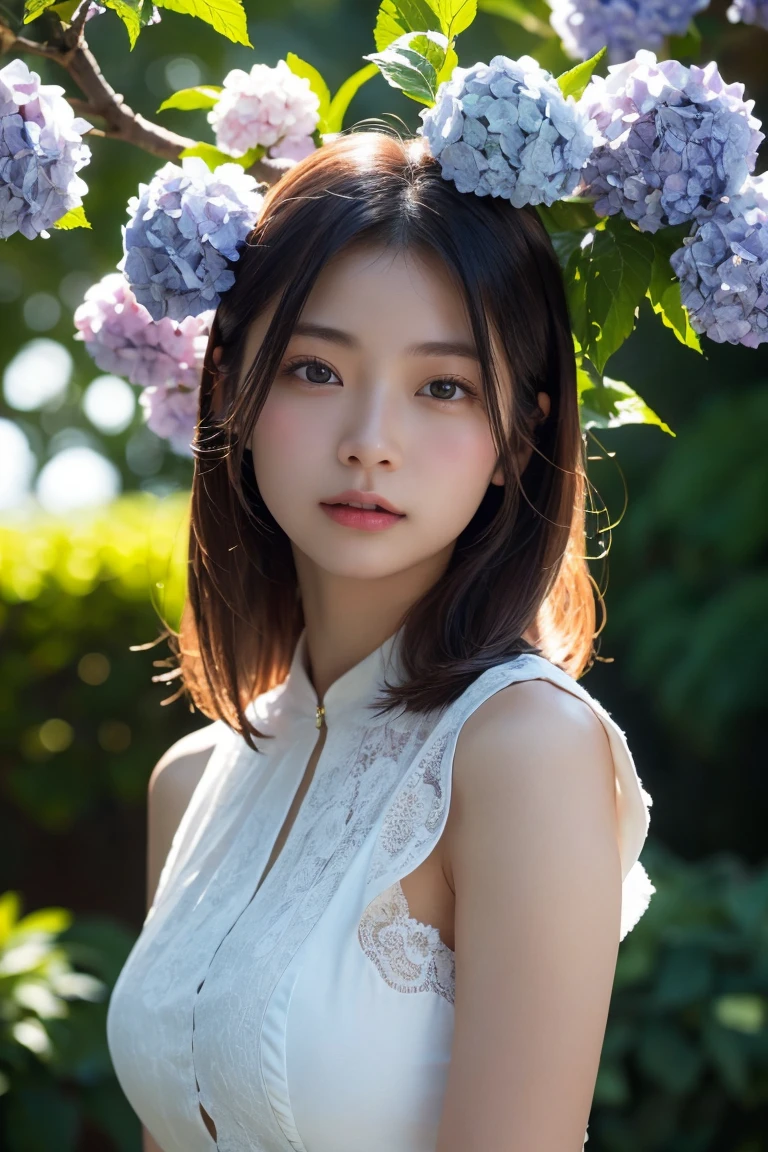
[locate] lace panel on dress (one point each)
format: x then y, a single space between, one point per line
410 956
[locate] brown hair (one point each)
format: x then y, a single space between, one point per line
518 567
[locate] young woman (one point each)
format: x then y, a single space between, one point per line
389 916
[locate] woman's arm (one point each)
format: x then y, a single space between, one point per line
535 863
173 780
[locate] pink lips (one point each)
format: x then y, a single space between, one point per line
371 521
356 496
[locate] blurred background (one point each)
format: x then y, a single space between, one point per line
92 544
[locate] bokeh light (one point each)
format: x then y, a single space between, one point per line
77 478
39 372
109 403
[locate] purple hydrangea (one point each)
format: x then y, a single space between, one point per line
171 413
505 129
262 107
186 225
624 26
41 150
723 269
749 12
672 141
122 337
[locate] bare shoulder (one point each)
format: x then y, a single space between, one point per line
532 751
534 706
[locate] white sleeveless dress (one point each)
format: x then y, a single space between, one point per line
315 1016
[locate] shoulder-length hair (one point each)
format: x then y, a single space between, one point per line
518 579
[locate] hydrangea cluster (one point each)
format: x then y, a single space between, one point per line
505 129
185 226
723 269
122 337
266 107
624 26
672 141
171 413
749 12
41 150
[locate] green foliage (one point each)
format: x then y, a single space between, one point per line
607 277
186 99
343 98
664 288
606 403
214 156
395 18
75 218
80 720
687 1034
413 63
532 18
574 81
694 617
317 85
225 16
55 1071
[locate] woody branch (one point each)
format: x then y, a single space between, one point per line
68 49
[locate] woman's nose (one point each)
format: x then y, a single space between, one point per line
372 435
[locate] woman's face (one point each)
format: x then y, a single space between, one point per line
379 390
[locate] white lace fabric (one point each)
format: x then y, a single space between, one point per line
322 1011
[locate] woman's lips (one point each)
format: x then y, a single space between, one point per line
368 519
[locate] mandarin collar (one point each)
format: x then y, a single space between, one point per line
354 689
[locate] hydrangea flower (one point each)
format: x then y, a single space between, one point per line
672 141
186 225
624 26
749 12
260 107
171 413
723 269
505 129
41 150
122 337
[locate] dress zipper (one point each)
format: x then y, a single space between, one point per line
319 715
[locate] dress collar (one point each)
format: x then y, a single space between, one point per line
354 689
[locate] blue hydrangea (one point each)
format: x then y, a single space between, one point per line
41 150
186 225
505 129
749 12
672 141
624 26
723 269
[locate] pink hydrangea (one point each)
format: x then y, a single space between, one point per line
261 107
171 413
122 337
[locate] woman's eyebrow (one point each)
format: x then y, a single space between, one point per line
427 348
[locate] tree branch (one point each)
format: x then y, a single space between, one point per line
120 122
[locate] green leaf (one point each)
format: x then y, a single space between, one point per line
10 906
66 11
518 12
225 16
202 96
574 81
35 8
396 17
129 12
213 156
412 63
301 68
607 403
664 289
47 920
75 218
343 97
455 16
615 267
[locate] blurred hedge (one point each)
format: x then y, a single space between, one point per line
78 712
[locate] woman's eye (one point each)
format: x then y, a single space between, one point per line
446 389
317 372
